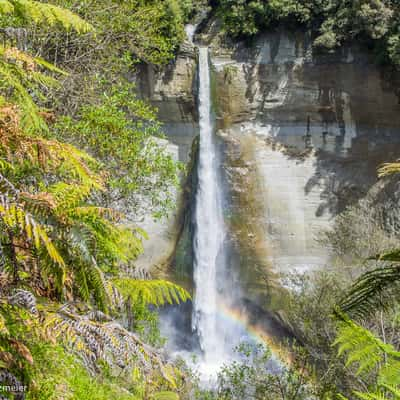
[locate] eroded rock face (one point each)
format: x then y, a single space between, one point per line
173 92
304 135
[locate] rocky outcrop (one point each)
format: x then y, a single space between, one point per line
303 136
172 91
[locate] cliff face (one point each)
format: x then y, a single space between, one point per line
305 135
302 136
173 92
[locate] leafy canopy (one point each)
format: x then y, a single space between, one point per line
332 22
124 133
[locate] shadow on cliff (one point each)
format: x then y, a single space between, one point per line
345 180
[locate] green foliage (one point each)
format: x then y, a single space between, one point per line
60 375
374 290
122 131
314 328
370 354
166 396
332 22
20 79
43 13
50 371
151 30
155 292
57 239
250 379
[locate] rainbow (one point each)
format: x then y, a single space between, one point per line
256 332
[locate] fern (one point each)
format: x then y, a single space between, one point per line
16 219
44 13
61 158
368 352
106 341
24 299
372 396
384 392
17 81
374 290
155 292
392 390
20 79
389 169
6 7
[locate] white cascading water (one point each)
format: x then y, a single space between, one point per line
210 230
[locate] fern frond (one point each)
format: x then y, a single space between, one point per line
16 218
394 391
155 292
49 66
61 158
372 396
44 13
368 352
97 212
392 256
68 196
80 277
42 204
21 81
107 341
74 162
14 80
373 290
24 299
99 286
389 169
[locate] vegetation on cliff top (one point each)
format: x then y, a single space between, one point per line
332 22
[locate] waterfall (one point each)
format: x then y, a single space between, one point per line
210 230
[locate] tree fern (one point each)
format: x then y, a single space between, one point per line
64 159
21 81
106 341
17 220
44 13
155 292
374 290
368 353
16 84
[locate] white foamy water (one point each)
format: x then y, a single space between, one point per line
217 327
190 30
210 231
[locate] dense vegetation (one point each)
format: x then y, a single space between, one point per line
78 149
332 22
